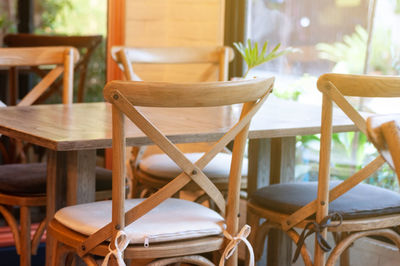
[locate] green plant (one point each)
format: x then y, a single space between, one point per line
349 54
253 58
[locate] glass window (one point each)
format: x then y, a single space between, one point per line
333 37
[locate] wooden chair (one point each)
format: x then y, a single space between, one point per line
162 228
24 185
355 210
383 131
85 45
151 169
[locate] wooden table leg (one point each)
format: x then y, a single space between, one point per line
74 170
277 155
56 193
81 179
259 160
281 171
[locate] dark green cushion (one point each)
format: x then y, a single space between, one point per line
360 202
28 179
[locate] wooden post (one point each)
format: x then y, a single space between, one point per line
115 36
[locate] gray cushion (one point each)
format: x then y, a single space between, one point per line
28 179
360 202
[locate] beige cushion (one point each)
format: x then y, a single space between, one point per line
161 165
174 219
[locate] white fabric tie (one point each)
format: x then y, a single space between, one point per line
121 242
234 242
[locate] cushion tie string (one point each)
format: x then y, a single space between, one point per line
234 242
317 228
121 242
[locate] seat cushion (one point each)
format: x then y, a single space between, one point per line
362 201
174 219
20 179
160 165
30 178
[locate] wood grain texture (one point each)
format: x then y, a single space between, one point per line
34 56
382 131
213 59
88 125
362 85
201 94
175 23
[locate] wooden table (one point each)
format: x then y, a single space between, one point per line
73 133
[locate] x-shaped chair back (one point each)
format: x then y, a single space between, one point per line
63 58
85 45
384 133
334 88
126 56
126 96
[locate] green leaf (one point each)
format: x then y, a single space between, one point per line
253 58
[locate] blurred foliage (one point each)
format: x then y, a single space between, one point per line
66 17
349 55
299 87
51 14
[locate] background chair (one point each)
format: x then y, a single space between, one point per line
384 133
358 209
85 45
151 169
175 229
24 185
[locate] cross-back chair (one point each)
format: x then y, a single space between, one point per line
349 209
24 184
151 170
86 45
159 227
384 133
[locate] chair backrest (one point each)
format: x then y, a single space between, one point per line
384 132
125 96
85 45
63 58
219 56
334 88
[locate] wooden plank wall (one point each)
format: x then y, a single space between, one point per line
155 23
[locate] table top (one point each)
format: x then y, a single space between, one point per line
88 125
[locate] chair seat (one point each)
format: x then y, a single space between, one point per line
174 219
362 201
160 165
28 179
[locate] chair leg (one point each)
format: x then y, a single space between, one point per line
253 221
38 236
12 223
25 236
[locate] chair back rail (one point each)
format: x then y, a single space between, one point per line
63 57
121 94
161 94
126 56
86 45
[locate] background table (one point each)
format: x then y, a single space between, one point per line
72 133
